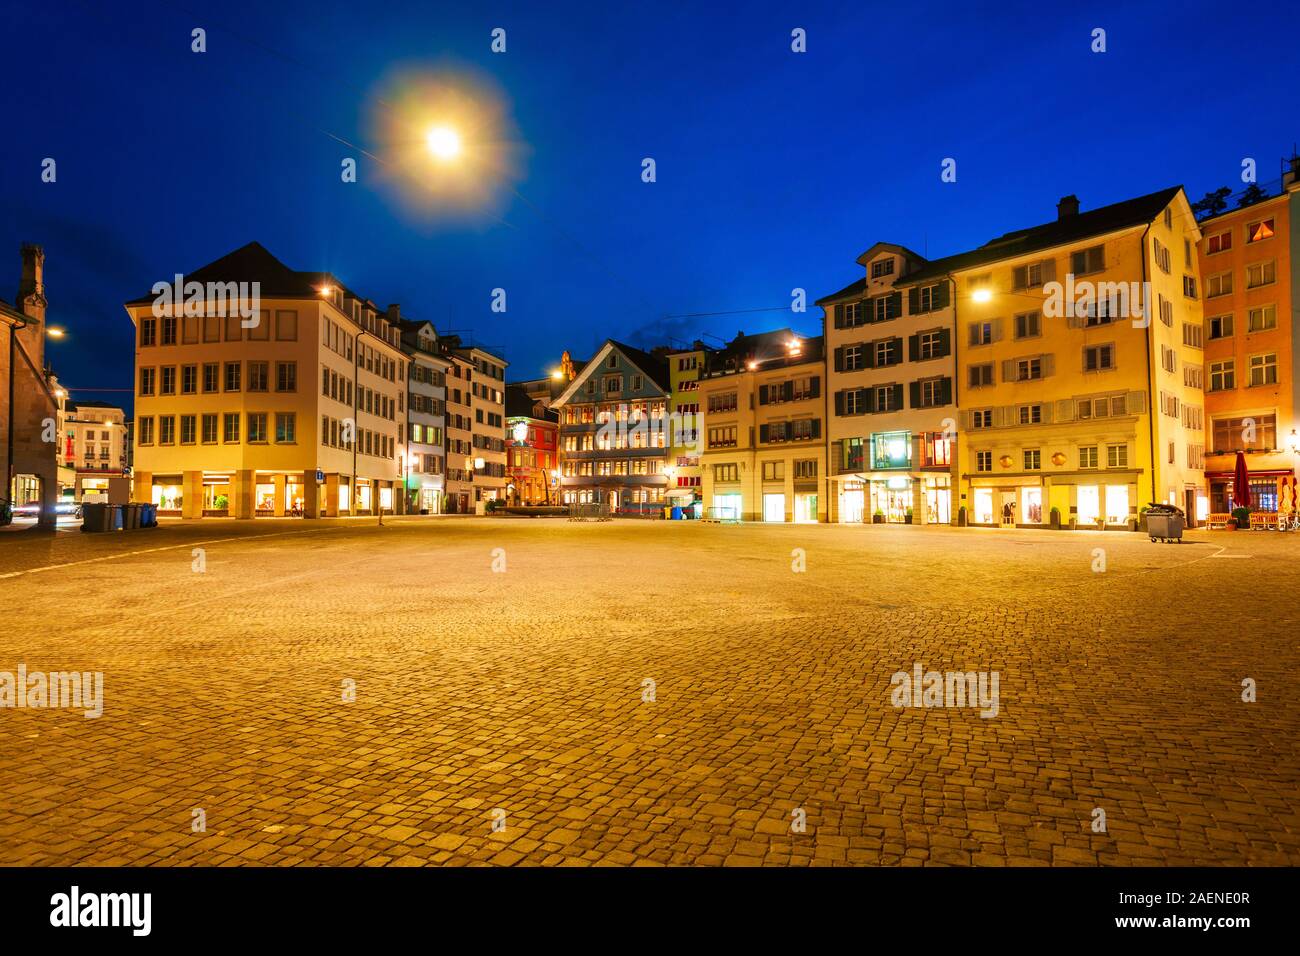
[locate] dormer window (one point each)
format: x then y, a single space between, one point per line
882 267
612 361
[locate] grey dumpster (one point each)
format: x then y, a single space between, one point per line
96 517
130 517
1165 526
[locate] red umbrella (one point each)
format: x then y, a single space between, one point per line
1241 483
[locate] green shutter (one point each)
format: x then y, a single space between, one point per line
913 347
945 342
913 300
942 295
898 397
914 390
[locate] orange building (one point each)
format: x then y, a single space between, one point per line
1249 264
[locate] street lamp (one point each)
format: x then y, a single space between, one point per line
443 142
54 332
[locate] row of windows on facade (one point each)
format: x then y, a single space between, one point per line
1257 231
425 434
212 377
203 429
208 329
337 387
339 341
874 399
801 469
613 384
613 467
639 438
622 412
334 434
771 433
520 457
1031 459
882 353
885 308
894 450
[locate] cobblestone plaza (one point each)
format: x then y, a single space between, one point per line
477 691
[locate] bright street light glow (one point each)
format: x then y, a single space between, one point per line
982 295
443 142
55 332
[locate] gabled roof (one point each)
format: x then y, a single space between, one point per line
519 404
253 263
654 367
893 247
1059 232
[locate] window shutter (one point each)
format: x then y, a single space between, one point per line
787 391
1079 262
1046 413
912 347
839 359
945 342
945 391
1048 365
1020 277
1008 370
996 332
762 394
1049 270
868 354
898 397
816 428
895 308
866 400
839 403
840 310
1065 410
913 300
816 386
896 351
941 295
762 433
1137 403
837 455
914 393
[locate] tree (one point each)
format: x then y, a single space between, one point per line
1251 195
1212 204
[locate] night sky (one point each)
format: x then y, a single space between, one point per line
774 169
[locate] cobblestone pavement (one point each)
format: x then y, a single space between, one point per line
522 691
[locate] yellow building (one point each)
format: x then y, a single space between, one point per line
264 391
1080 367
764 408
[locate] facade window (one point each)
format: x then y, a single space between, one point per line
286 376
232 377
1117 456
1263 369
1087 261
1029 369
981 418
1099 358
1259 231
722 402
882 267
1258 432
1223 375
981 333
209 429
1088 456
1261 273
1032 459
1217 285
983 461
166 430
147 377
1221 242
1221 326
1189 286
855 401
189 379
1029 414
258 376
1028 325
888 398
1261 319
286 428
169 330
850 314
167 381
188 424
148 332
1193 335
726 473
724 437
852 358
211 376
930 392
929 345
805 468
145 430
257 426
230 435
773 470
981 375
1194 376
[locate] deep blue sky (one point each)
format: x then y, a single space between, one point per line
775 169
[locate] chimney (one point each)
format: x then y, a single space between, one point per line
394 313
1068 206
1291 174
